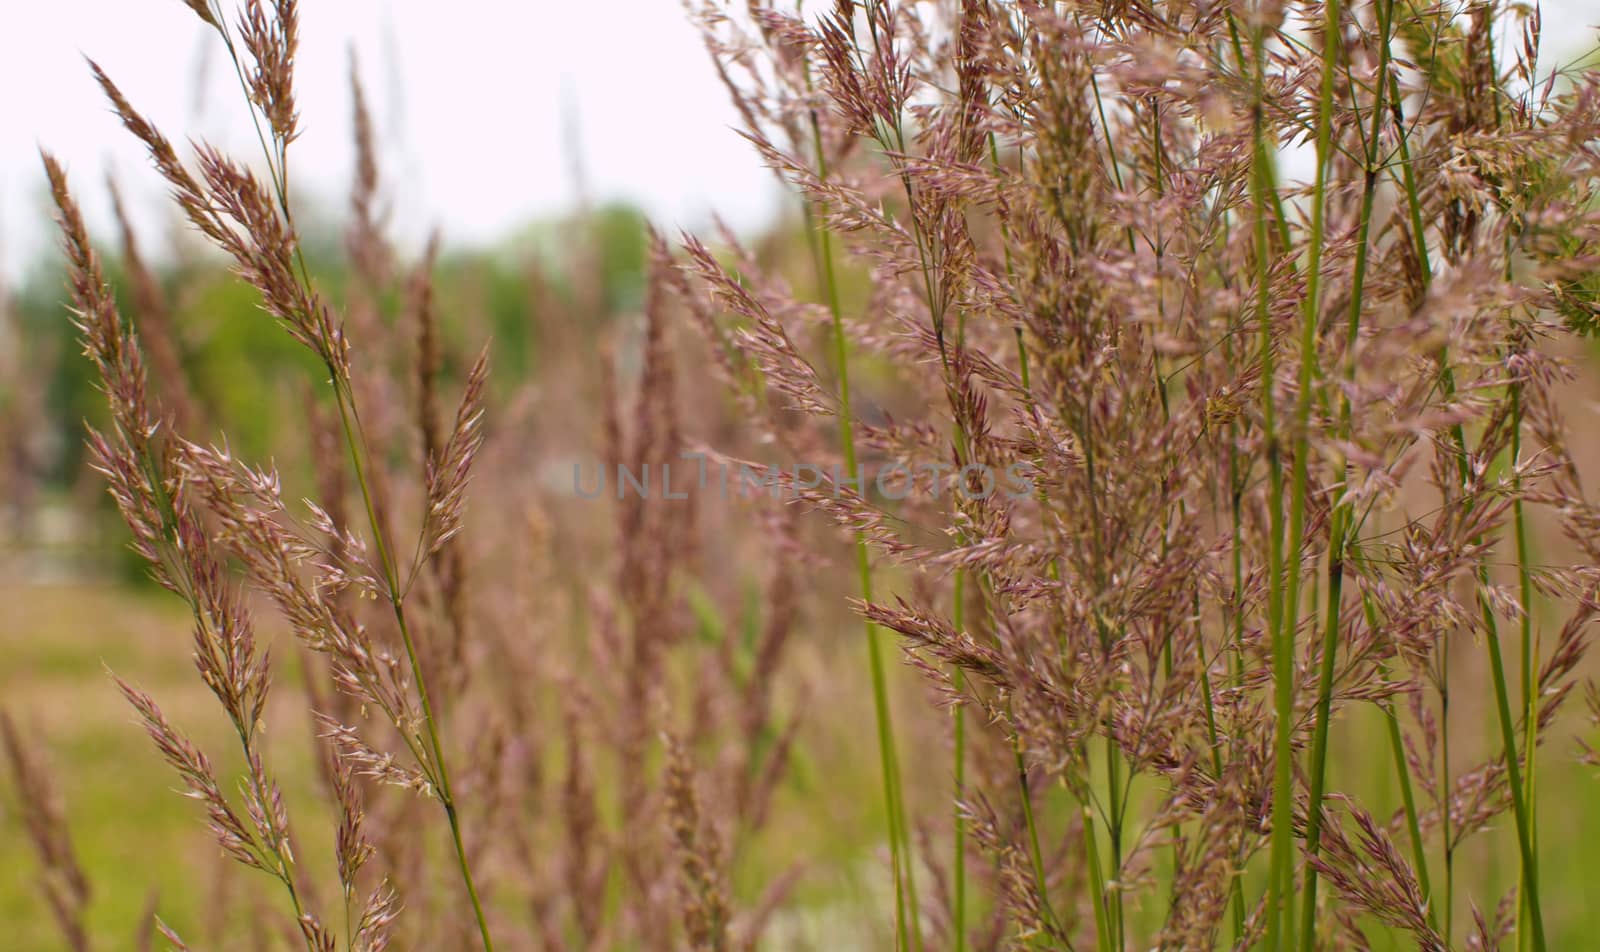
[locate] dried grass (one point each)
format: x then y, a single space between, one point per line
1283 442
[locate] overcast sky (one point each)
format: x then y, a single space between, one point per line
475 102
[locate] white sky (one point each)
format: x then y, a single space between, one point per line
474 102
472 98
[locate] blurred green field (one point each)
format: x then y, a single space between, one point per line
141 842
137 838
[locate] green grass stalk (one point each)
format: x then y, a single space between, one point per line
1097 882
958 900
1519 805
1530 700
438 770
1342 516
1529 874
1402 769
1041 881
1263 180
889 762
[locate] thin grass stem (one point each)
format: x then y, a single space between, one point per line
1263 181
889 763
1342 514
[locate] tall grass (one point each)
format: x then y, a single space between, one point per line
1166 470
1106 245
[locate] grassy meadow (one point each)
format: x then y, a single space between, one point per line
139 841
1136 496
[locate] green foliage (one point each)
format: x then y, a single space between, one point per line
250 377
